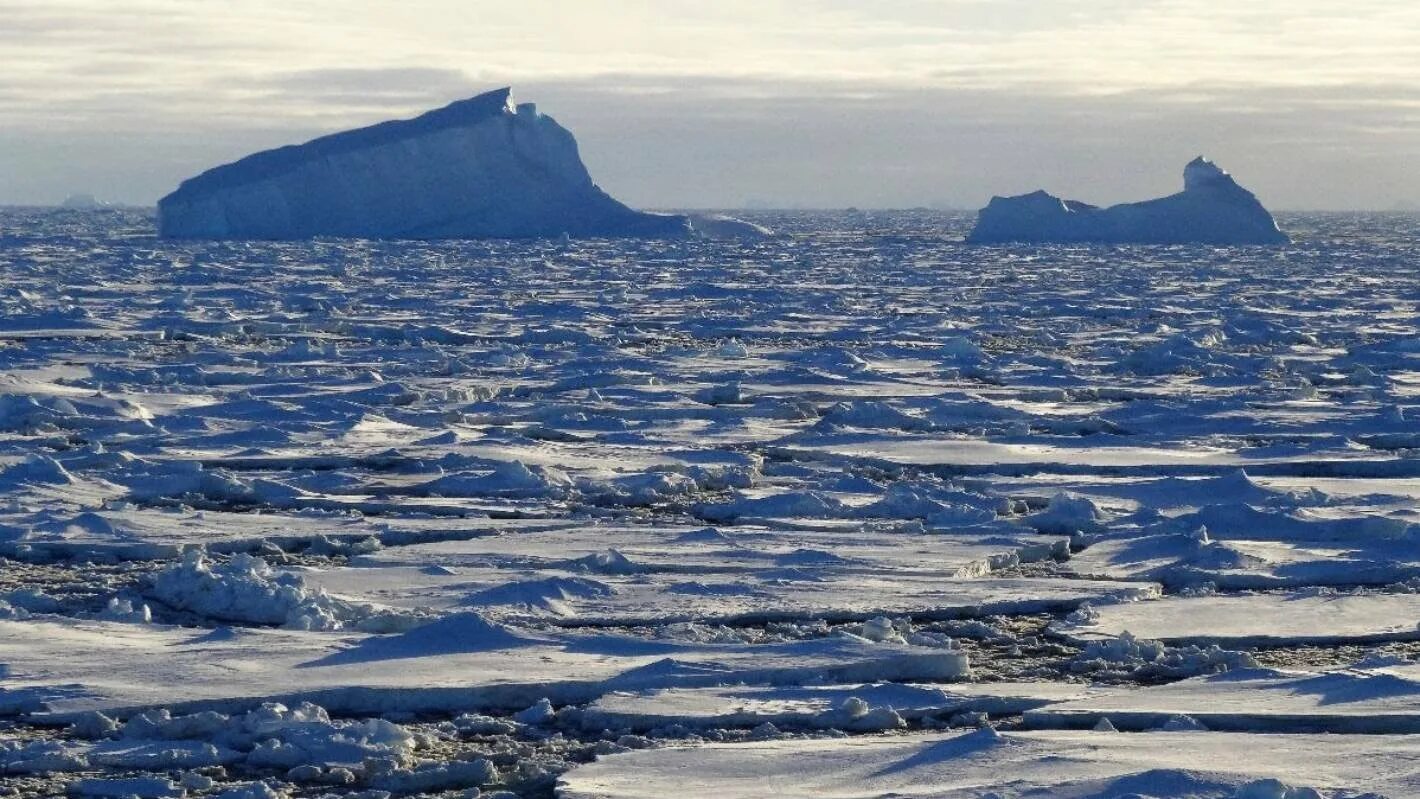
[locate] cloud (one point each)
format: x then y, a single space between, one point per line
399 81
1305 147
680 142
760 91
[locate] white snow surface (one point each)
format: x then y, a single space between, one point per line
1381 696
61 667
1067 765
747 490
1248 619
874 706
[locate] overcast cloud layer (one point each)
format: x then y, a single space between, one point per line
797 102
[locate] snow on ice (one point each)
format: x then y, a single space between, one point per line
1070 765
854 509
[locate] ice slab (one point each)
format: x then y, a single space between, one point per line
818 706
1013 765
1368 698
1184 559
657 574
140 533
959 456
1264 619
772 594
64 666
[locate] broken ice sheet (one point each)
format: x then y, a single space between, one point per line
680 483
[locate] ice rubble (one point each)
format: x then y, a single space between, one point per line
477 168
246 589
1141 658
661 483
1069 514
1211 209
302 741
510 479
39 412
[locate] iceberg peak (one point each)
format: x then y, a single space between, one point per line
1200 174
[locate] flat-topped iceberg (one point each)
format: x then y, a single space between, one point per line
477 168
1211 209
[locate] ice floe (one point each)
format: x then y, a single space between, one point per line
1015 764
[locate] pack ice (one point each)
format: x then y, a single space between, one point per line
1211 209
477 168
856 510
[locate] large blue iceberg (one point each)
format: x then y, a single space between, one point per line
1211 209
478 168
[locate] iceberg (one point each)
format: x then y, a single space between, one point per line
484 167
82 202
720 226
1211 209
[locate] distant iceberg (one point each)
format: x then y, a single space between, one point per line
1211 209
478 168
82 202
720 226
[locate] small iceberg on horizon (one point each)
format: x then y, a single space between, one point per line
1211 209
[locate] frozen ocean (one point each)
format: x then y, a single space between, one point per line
857 510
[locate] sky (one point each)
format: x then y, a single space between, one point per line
732 103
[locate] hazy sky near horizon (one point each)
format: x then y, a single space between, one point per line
821 103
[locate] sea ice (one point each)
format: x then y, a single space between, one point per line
1071 765
855 478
